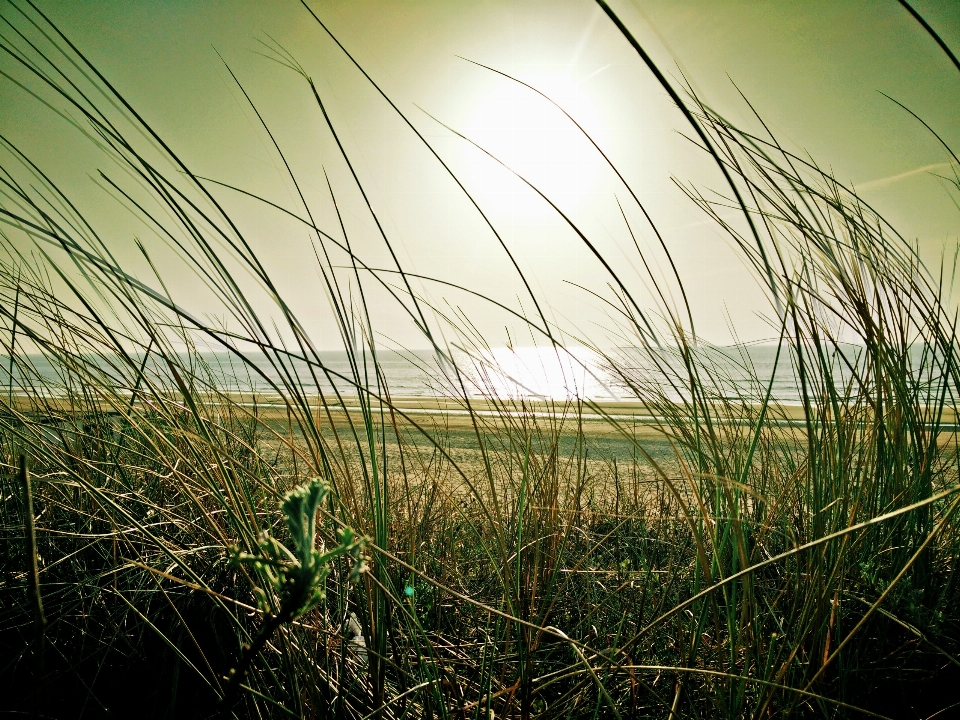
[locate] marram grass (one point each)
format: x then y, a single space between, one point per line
730 558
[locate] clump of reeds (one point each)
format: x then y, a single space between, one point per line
752 561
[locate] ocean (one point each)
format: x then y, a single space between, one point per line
737 372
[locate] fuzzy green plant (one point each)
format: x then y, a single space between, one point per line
293 580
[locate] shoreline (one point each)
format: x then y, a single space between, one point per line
611 417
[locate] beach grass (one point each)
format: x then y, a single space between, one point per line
702 551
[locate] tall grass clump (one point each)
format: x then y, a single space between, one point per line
304 545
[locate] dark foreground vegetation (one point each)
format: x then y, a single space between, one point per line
730 559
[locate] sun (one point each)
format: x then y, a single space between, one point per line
533 138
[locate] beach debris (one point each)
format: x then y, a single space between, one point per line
358 643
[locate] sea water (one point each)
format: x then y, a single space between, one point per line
744 372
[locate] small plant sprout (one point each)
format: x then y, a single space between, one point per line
294 581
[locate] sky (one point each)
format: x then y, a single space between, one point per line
816 72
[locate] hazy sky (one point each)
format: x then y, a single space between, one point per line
814 71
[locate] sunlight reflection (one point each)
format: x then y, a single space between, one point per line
542 373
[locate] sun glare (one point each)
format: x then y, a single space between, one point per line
544 373
533 138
